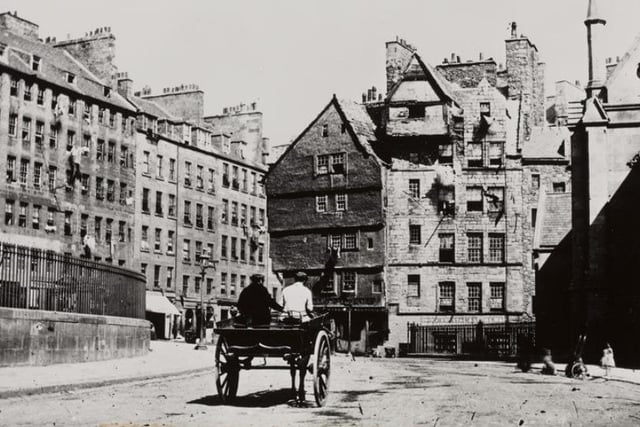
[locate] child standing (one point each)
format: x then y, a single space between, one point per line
607 362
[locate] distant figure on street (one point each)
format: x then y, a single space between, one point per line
297 299
607 362
549 367
255 302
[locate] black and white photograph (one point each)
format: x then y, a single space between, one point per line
319 213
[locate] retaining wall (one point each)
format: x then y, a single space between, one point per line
35 337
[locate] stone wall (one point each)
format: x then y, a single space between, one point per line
33 337
469 74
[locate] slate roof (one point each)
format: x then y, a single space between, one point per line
361 123
548 143
55 63
153 109
553 220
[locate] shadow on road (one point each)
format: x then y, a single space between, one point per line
260 399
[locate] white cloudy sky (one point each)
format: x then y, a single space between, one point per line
292 55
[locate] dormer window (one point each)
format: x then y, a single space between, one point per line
325 130
35 63
106 91
71 78
3 48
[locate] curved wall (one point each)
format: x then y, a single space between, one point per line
36 337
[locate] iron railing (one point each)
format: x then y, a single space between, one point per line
38 279
493 340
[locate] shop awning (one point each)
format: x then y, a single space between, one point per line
158 303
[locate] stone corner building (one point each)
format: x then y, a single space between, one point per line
58 115
415 202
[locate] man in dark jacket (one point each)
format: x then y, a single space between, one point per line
255 302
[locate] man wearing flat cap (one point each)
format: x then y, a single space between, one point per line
255 302
297 298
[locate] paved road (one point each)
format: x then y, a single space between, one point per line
364 392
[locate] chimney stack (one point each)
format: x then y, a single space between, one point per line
597 67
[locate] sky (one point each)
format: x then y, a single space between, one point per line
291 56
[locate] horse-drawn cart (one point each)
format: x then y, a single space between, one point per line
303 345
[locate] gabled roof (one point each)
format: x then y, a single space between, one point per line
626 67
151 108
55 64
548 143
553 221
439 84
359 124
594 112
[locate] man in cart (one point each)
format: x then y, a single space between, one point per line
254 303
297 300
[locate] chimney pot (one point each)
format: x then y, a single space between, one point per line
481 56
458 58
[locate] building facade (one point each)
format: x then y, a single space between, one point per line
195 198
326 217
69 150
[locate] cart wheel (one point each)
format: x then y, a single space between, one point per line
227 372
321 368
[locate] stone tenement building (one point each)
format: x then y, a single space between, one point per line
195 193
141 180
68 149
457 199
598 295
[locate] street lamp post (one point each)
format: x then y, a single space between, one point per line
205 262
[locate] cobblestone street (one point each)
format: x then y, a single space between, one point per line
364 392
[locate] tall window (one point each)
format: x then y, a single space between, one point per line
321 203
11 169
446 297
225 175
223 247
35 219
338 163
474 154
447 248
172 169
26 129
341 202
223 283
234 213
24 170
124 156
210 217
170 239
111 152
474 290
186 250
445 153
13 124
414 188
234 248
159 203
474 199
474 247
145 200
100 153
322 164
496 247
156 276
199 216
39 135
413 285
185 284
211 184
199 178
348 281
496 303
22 217
171 211
187 174
157 241
415 232
53 172
496 153
159 166
535 180
111 190
225 211
145 162
187 212
169 277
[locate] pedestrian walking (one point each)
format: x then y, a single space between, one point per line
607 362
